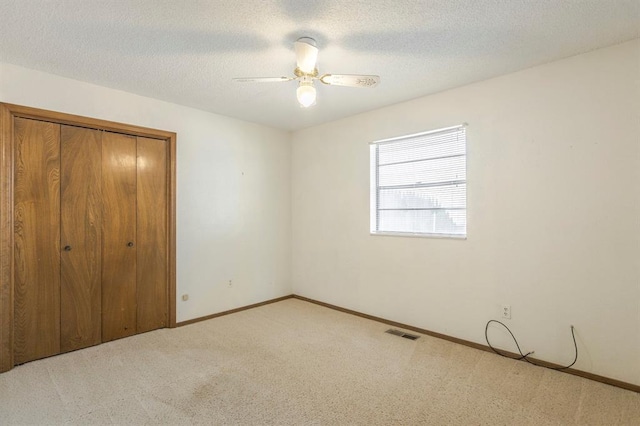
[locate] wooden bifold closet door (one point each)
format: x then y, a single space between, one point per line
81 237
119 231
91 237
36 239
152 230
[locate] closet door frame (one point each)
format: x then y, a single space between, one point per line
8 112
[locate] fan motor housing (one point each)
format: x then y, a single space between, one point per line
299 73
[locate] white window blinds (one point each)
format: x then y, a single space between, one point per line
419 184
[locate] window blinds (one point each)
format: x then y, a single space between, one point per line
419 184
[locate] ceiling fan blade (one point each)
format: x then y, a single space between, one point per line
262 79
350 80
306 54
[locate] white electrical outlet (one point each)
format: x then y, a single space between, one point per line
506 311
185 297
230 283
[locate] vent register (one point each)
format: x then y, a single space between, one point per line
400 333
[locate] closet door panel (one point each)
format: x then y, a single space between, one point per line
152 234
118 236
36 239
81 228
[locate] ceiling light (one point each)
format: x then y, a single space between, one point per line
306 72
306 93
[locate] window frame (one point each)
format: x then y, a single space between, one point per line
374 186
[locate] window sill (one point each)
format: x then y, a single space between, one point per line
416 235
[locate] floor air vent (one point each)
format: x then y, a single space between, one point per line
402 334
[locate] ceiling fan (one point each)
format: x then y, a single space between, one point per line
306 73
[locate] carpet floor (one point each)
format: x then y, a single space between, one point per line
296 363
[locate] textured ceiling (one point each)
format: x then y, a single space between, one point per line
187 51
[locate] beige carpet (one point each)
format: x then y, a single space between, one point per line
295 363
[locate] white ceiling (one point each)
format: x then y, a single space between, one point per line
187 51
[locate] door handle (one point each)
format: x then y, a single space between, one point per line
130 244
67 248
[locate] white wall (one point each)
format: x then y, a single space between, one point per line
553 214
233 191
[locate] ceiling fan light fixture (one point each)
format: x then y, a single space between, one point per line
306 72
306 94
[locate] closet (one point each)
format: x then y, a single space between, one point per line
92 235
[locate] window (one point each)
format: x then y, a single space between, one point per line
419 184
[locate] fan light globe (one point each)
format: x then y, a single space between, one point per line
306 94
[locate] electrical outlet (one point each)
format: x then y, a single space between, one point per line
506 311
185 297
230 283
